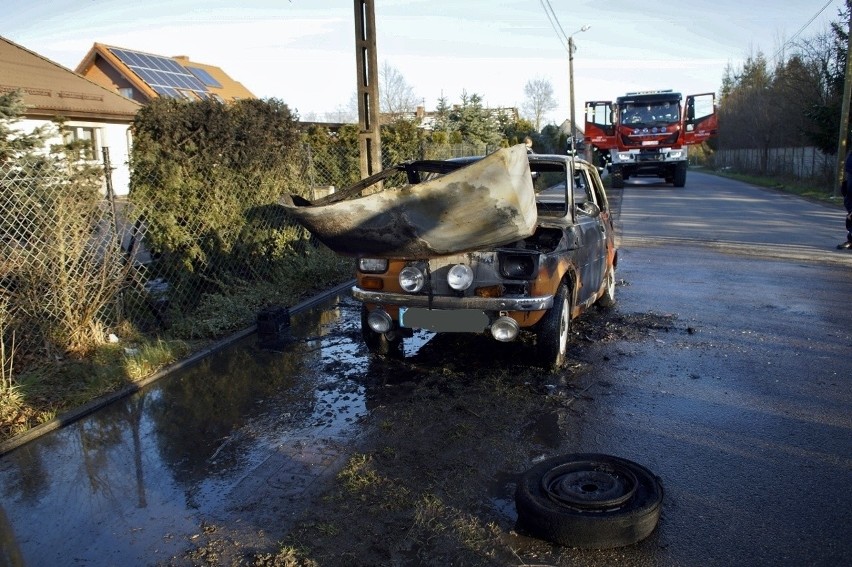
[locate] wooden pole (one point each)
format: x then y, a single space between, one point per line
844 113
368 88
573 136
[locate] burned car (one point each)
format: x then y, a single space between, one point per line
500 244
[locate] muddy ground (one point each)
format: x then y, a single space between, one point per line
430 480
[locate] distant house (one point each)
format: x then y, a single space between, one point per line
144 76
91 113
579 131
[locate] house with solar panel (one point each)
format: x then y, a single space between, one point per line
92 114
144 76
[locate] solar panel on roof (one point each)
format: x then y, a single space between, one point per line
167 92
205 77
162 74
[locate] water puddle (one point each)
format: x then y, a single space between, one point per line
240 434
501 493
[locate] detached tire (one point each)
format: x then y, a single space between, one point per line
588 500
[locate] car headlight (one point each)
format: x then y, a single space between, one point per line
676 154
518 266
625 157
373 265
460 277
505 329
379 321
411 279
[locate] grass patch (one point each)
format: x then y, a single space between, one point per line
297 278
287 556
359 475
429 513
41 393
143 361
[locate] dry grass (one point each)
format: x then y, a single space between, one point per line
40 394
10 398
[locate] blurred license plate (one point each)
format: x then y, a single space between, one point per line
443 321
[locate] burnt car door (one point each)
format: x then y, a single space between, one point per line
591 256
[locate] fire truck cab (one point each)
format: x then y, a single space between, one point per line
648 133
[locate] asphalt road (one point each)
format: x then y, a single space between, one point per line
722 213
747 414
742 406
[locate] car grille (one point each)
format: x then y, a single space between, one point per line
483 264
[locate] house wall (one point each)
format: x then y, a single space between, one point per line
106 75
114 136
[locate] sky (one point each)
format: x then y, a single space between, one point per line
302 52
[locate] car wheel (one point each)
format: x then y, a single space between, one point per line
617 179
588 500
608 297
379 343
552 336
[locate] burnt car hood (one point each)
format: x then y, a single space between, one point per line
488 203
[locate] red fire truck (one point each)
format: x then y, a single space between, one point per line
648 133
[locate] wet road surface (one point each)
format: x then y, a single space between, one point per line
742 405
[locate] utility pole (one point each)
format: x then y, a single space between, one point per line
844 113
573 137
368 88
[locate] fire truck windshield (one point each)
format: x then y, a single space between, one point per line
647 114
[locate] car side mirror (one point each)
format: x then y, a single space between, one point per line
589 208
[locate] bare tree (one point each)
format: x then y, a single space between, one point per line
539 100
396 96
347 113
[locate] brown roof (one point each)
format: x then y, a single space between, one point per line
101 64
230 89
52 90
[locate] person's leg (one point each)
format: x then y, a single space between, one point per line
847 202
849 227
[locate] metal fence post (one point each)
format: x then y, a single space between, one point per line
116 237
110 194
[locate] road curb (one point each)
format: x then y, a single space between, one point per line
73 415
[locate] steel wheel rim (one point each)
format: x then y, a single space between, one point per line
590 485
564 322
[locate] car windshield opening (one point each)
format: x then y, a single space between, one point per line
549 184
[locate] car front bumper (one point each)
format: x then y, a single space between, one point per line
443 302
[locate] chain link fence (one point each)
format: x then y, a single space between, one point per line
59 264
77 262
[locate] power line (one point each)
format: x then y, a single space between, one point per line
550 7
803 28
554 22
